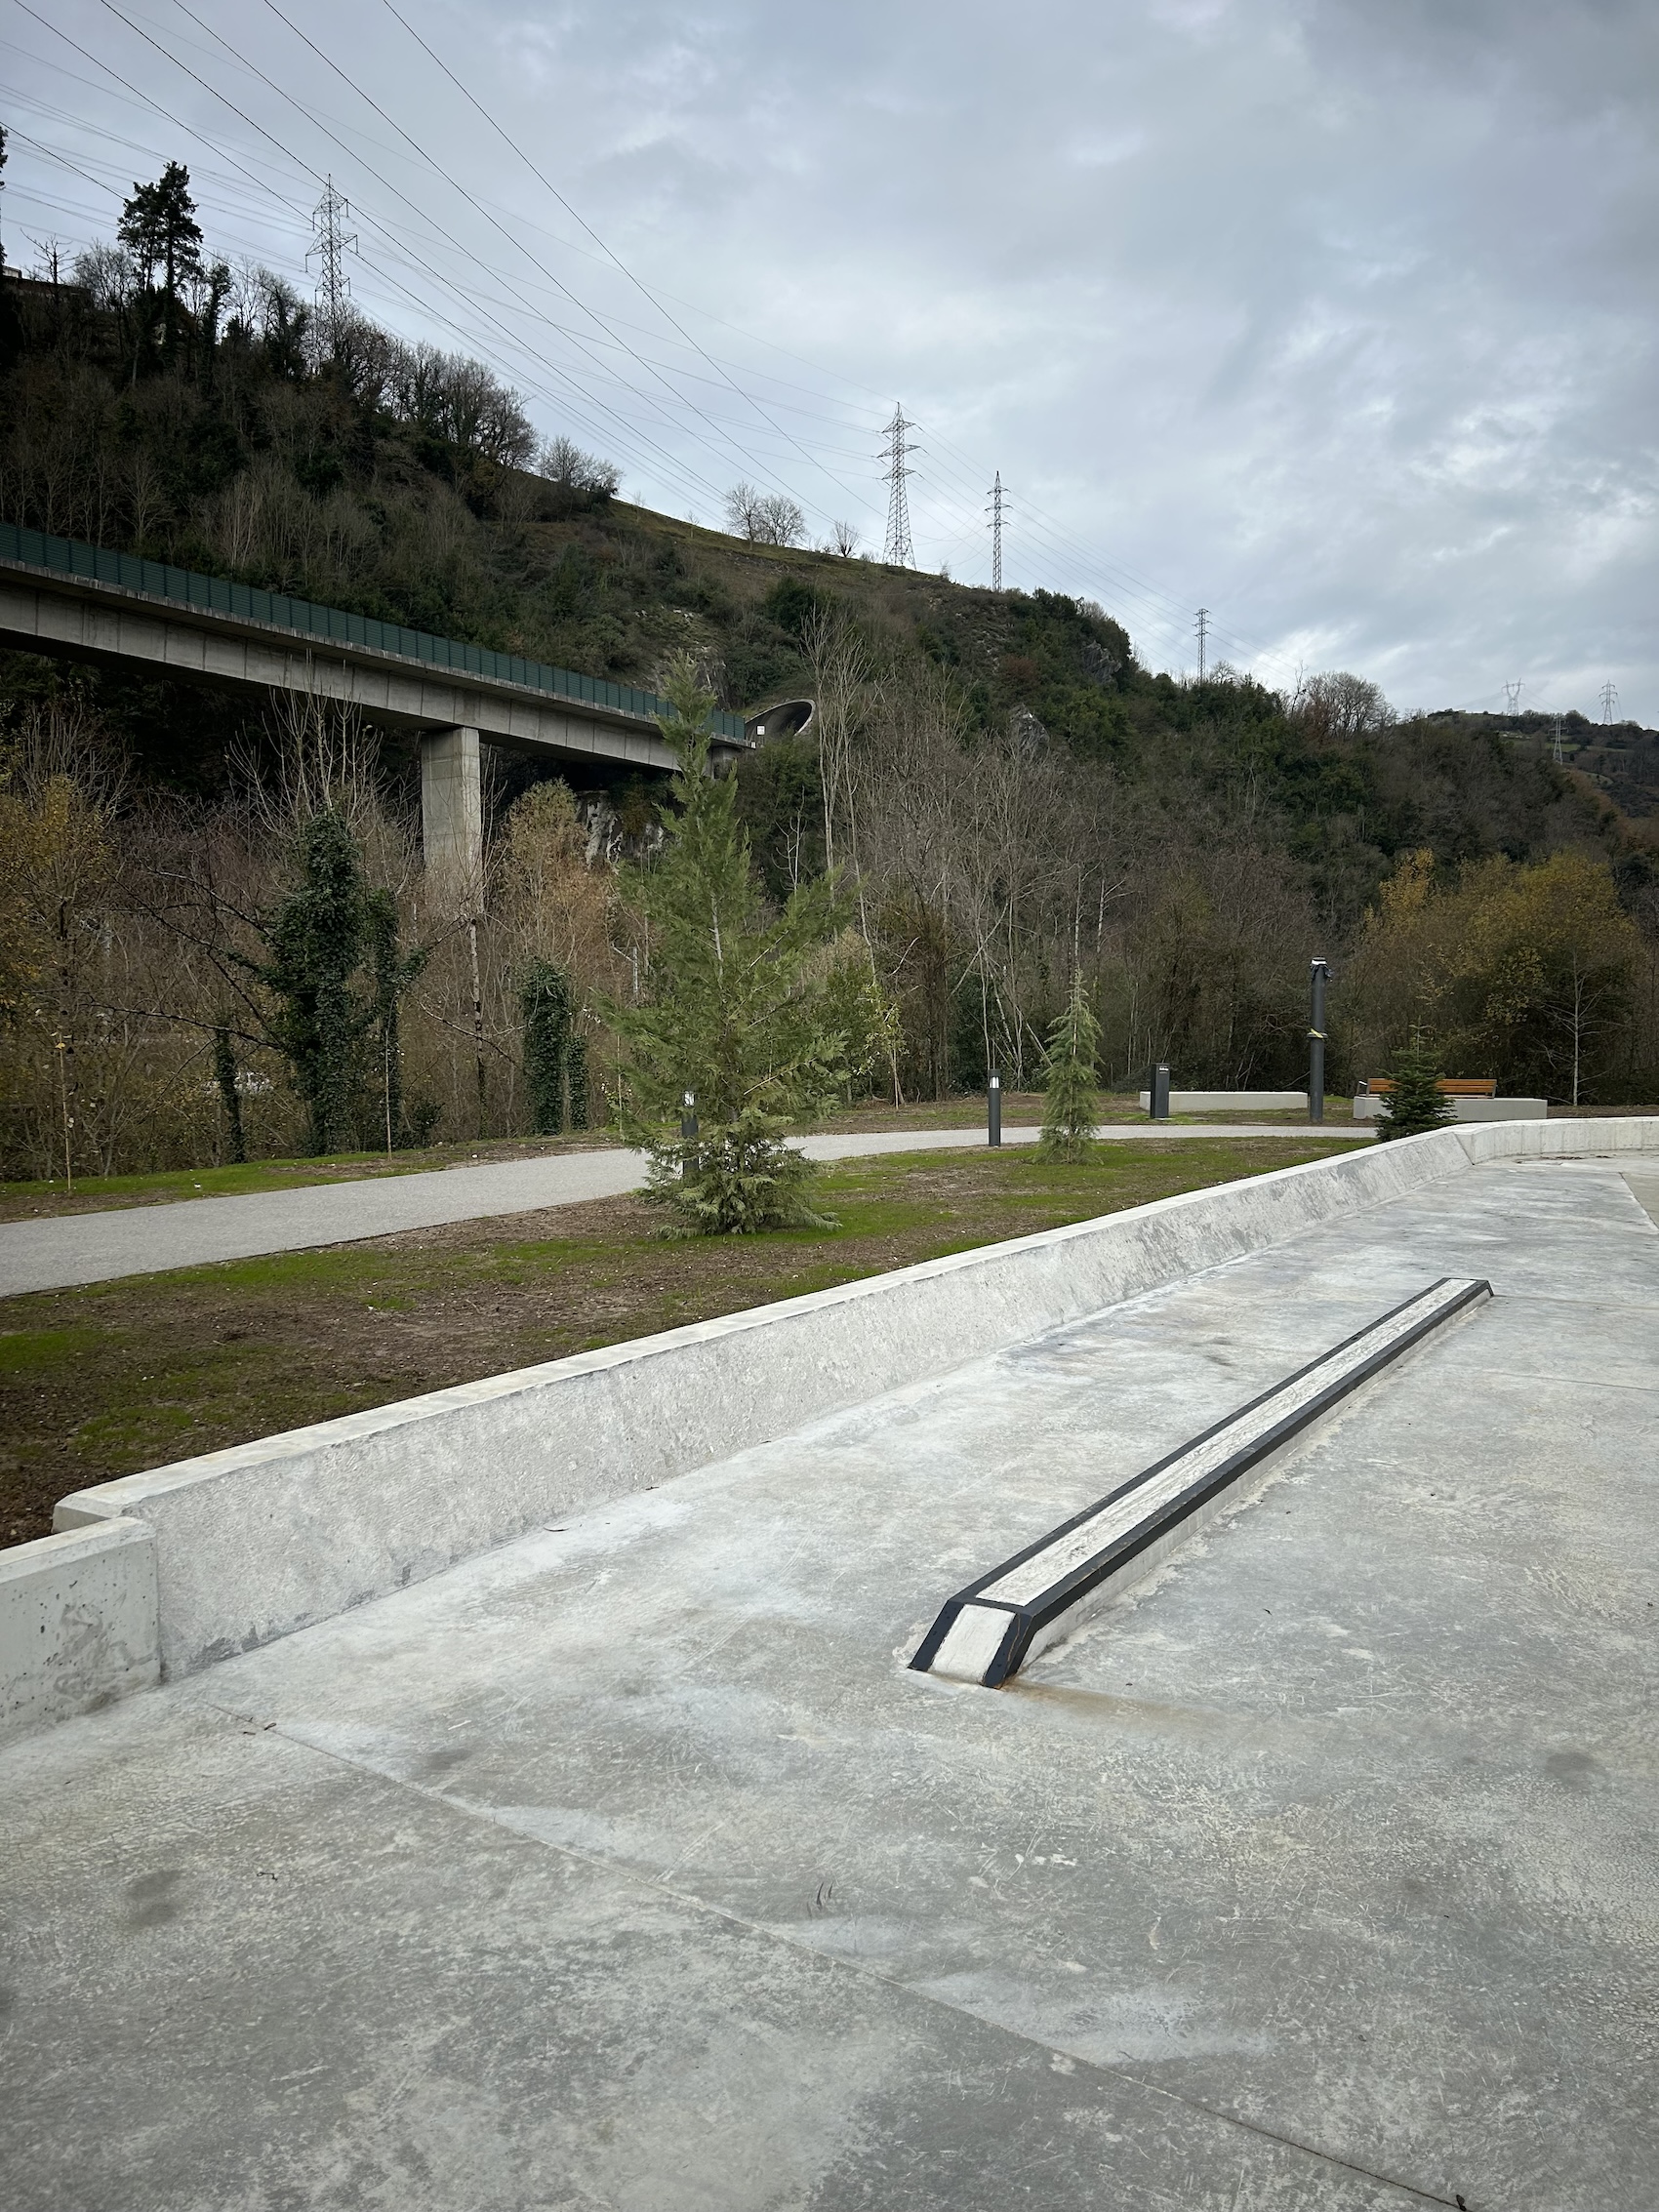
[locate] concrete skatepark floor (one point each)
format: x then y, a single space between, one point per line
628 1867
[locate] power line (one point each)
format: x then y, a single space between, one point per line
478 207
576 217
898 551
689 474
996 510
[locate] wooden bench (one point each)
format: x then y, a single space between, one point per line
1450 1086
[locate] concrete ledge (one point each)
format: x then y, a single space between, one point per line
1368 1106
257 1541
78 1623
1232 1102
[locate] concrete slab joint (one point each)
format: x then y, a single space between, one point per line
251 1543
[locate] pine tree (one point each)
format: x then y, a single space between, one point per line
1071 1106
737 1012
317 943
1416 1102
158 227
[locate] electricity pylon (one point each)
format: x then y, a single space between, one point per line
997 509
1201 624
331 242
898 552
1609 699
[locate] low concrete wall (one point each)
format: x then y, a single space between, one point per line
253 1542
1368 1106
1232 1102
79 1622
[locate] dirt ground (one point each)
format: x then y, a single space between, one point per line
109 1379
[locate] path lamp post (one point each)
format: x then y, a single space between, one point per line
688 1129
1319 975
994 1107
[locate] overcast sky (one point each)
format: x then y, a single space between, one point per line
1336 317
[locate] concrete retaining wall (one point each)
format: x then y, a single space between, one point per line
79 1622
253 1542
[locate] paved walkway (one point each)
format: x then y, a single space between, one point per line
144 1240
628 1869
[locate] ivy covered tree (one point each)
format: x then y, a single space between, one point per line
738 1012
1416 1102
336 973
543 1005
1071 1101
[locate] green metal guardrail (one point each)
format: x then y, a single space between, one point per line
157 580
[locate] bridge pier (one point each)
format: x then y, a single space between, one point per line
452 816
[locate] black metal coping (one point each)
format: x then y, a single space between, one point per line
244 602
1027 1620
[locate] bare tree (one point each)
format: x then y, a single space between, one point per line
764 518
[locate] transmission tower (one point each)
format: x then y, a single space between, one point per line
996 510
1560 758
1609 699
900 551
331 242
1513 691
1201 624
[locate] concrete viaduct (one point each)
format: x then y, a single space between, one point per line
61 596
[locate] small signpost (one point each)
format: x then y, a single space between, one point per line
1158 1103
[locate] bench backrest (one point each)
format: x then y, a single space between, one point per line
1454 1086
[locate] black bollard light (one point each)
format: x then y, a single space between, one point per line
1161 1093
1318 975
994 1107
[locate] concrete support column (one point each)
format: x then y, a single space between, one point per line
452 816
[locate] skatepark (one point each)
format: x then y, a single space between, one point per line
527 1796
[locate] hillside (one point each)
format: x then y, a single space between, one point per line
1010 791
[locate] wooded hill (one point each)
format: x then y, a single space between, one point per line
1011 795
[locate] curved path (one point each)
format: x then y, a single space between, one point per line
144 1240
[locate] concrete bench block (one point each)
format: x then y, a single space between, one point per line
1232 1102
1368 1106
79 1622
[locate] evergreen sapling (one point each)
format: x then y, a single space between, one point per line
738 1012
1071 1102
1416 1102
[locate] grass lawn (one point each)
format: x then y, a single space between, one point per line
106 1379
